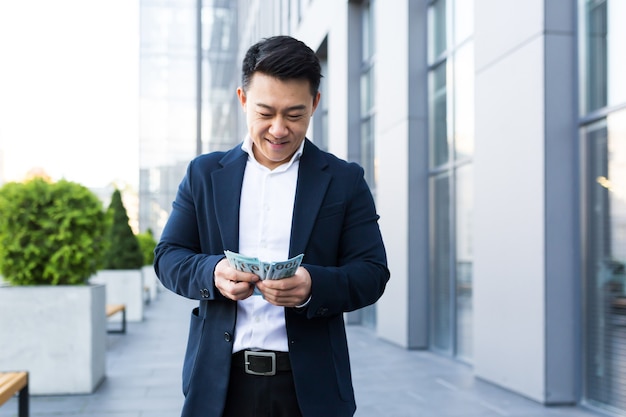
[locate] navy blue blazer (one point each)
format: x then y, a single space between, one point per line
335 226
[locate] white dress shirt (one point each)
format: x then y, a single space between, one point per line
266 209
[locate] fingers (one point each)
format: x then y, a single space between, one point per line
233 284
287 292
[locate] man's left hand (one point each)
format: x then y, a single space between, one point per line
287 292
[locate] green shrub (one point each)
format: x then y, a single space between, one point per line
123 247
50 233
147 243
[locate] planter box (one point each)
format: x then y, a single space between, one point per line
123 286
57 334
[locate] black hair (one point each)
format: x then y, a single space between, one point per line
282 57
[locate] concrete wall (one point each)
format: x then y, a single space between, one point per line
514 290
401 149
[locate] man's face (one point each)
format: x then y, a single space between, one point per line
278 114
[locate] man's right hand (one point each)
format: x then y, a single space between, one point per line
233 284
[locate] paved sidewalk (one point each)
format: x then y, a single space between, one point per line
144 378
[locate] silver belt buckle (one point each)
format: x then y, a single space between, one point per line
248 353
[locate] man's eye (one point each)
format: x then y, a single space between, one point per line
265 115
295 116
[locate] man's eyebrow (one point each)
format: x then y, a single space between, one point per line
298 107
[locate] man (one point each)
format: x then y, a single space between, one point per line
275 196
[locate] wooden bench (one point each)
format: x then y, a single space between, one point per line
112 309
12 383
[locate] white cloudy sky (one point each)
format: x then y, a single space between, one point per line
69 89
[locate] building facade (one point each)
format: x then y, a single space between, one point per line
493 136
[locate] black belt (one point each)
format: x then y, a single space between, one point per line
263 362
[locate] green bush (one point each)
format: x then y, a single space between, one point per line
50 233
147 243
123 247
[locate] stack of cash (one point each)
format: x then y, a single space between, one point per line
264 270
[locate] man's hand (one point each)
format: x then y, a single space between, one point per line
233 284
287 292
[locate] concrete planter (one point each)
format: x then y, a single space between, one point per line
57 333
123 286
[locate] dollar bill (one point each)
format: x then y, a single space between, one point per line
284 269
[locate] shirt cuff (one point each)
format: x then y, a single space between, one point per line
305 303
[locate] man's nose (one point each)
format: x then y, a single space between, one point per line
278 129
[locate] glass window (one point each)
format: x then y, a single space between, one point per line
367 145
320 118
368 30
367 151
605 275
368 97
464 225
438 98
604 62
440 265
367 91
451 143
616 58
437 35
464 102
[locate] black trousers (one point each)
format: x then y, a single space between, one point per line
261 396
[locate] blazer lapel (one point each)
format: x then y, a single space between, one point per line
312 184
227 183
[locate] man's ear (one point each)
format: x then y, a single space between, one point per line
241 95
316 101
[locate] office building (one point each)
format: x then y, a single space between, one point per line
493 135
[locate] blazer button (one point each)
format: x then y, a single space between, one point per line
321 311
227 336
204 293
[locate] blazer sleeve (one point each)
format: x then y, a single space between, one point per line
179 260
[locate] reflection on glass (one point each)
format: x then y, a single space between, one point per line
464 261
367 91
368 103
595 55
464 102
439 153
367 151
604 42
441 320
320 118
451 144
605 275
368 31
616 45
368 98
437 30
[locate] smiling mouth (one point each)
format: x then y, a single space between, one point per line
274 142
